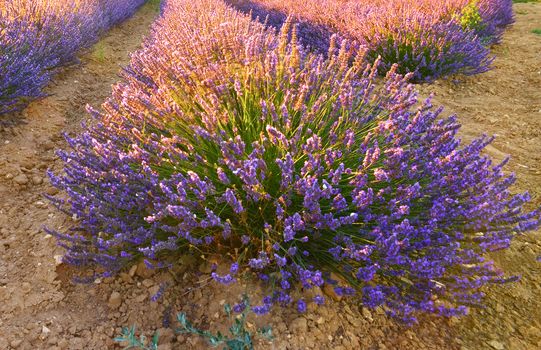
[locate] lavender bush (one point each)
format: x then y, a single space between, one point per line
496 16
37 37
230 141
428 38
116 11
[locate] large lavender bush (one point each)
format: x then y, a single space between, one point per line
37 37
230 141
428 38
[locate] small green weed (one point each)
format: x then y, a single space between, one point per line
239 339
155 4
536 31
128 336
470 17
98 53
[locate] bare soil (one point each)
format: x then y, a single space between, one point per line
40 308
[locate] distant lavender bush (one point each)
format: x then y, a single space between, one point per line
428 38
36 37
117 11
496 15
228 140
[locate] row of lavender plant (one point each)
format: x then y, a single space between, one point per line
36 37
428 38
230 141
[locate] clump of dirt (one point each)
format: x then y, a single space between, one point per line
40 308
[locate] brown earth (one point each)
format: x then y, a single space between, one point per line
41 309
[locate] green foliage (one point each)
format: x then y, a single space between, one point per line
239 339
470 17
98 54
155 4
536 31
128 336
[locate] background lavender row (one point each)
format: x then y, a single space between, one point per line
226 140
36 37
428 38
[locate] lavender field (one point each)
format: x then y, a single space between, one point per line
266 174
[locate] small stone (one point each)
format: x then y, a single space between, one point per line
140 298
132 270
40 204
299 325
37 180
76 344
500 308
51 191
115 300
72 330
57 259
15 343
9 176
320 320
154 290
126 277
496 345
45 330
21 179
367 314
47 145
148 283
533 332
52 340
63 344
143 271
453 320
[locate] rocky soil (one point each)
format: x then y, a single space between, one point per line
40 308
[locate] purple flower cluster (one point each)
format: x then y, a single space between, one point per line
427 38
496 16
38 36
117 11
230 140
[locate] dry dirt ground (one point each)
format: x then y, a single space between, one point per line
41 309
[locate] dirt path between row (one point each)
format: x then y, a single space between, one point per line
41 309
